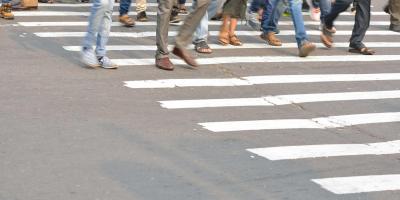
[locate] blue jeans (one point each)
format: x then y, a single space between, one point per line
99 26
325 6
297 18
201 31
124 6
5 1
267 15
256 5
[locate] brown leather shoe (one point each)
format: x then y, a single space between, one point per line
164 63
271 39
184 55
127 21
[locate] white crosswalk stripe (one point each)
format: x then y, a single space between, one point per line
211 33
360 184
257 80
326 150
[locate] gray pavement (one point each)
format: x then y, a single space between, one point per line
69 132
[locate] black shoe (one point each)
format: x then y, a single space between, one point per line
174 16
142 17
386 9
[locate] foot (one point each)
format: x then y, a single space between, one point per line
185 56
126 21
327 36
142 17
271 39
88 58
202 47
223 38
106 63
363 51
234 40
182 9
306 48
164 63
5 11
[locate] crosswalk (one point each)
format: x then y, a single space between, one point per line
336 185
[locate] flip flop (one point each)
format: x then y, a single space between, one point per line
202 47
363 51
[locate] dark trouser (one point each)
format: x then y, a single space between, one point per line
362 19
394 7
186 30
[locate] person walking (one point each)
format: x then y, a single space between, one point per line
362 20
183 38
97 33
231 12
5 10
201 34
394 11
270 22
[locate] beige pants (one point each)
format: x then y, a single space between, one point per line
186 30
141 5
394 7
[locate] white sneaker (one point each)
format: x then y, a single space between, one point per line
89 58
106 63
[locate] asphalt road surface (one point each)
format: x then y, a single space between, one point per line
251 123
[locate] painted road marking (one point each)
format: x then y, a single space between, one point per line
360 184
315 123
258 80
213 23
68 13
211 33
244 46
327 150
265 59
280 99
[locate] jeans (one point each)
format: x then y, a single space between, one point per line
297 18
201 32
325 6
5 1
256 5
362 19
99 26
126 4
181 1
267 15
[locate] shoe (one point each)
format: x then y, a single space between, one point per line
174 18
395 28
306 48
89 58
182 9
252 20
327 36
184 55
106 63
126 21
5 11
142 17
271 39
234 40
164 63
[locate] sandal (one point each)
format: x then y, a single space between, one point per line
363 51
202 47
223 38
234 40
182 9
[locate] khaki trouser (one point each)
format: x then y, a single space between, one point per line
186 30
394 7
141 5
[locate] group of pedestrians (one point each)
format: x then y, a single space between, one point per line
195 26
